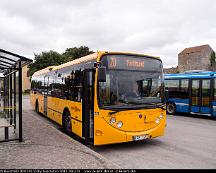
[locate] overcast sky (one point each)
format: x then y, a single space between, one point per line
156 27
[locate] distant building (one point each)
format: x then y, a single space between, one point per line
26 84
195 58
171 70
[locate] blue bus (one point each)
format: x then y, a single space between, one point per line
191 92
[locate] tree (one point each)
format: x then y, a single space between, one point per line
44 60
76 52
52 58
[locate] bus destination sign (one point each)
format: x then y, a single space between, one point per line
114 62
125 62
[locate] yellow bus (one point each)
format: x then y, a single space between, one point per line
105 97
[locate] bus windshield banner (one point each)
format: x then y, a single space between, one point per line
131 62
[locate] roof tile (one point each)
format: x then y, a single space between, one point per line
194 49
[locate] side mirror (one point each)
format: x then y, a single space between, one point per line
166 95
102 74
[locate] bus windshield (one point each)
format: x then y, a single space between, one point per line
131 82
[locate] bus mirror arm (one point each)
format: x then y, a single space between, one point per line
101 74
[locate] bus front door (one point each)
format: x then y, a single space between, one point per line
45 92
88 106
206 93
200 96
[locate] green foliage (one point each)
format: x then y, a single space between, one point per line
44 60
52 58
212 58
76 52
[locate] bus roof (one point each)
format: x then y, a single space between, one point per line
86 58
190 75
78 61
44 70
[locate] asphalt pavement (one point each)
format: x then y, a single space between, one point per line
189 143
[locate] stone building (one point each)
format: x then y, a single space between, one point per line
26 84
195 58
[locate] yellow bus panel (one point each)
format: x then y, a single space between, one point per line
77 127
106 134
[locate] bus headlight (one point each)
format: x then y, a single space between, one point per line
119 124
161 116
157 120
112 120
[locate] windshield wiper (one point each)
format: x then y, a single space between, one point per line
158 105
129 107
161 105
132 106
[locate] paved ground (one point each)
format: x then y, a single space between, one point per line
45 146
189 142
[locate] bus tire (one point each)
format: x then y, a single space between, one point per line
171 108
37 107
66 122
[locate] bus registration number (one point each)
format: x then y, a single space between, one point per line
138 138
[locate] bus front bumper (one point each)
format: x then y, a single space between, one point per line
148 134
109 135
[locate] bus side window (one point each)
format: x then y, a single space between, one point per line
215 89
59 85
77 85
184 89
173 87
40 83
33 83
69 86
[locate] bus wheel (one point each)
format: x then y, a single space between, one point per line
171 108
67 122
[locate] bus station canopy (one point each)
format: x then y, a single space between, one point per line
11 95
10 61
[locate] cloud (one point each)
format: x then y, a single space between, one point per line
160 28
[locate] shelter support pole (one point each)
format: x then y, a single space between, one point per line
11 102
8 100
20 101
4 94
14 78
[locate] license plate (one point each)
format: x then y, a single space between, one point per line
138 138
